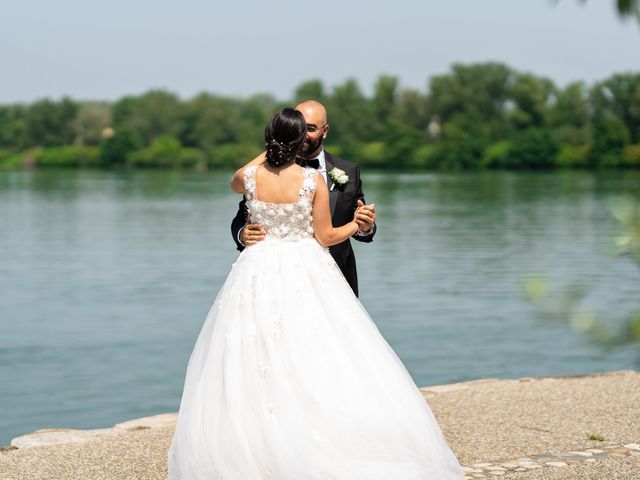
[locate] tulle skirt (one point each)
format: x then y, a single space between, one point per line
290 379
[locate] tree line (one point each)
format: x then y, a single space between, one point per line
484 115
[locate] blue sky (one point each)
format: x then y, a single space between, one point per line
91 50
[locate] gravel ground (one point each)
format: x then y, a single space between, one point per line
139 454
503 420
484 421
611 469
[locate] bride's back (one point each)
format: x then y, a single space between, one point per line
280 200
279 185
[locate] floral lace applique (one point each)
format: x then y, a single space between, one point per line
284 221
250 182
309 183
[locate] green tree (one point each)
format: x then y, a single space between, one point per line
571 106
531 96
116 149
49 123
384 98
401 141
350 117
570 115
67 156
573 156
212 121
619 96
533 148
610 137
464 139
13 127
631 156
479 90
497 155
153 114
164 152
413 109
625 8
90 122
628 7
483 114
255 113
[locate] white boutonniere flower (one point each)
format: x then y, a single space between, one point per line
338 176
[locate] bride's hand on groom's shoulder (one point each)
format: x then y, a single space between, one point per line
251 234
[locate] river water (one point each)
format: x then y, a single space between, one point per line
106 277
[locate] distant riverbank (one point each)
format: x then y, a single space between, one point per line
168 154
476 116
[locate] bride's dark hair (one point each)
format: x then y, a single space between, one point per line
284 136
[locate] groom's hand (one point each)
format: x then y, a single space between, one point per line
251 234
365 216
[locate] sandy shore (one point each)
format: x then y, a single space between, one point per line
584 427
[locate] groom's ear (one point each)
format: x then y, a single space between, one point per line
325 131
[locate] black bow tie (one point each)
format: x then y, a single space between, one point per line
312 162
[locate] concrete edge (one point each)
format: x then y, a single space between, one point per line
451 387
54 436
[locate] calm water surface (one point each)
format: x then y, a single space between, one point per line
106 277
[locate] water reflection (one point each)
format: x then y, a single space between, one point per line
106 277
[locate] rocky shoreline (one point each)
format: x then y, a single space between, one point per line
576 427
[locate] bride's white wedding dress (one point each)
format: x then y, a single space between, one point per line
291 380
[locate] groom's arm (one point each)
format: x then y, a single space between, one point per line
238 223
362 236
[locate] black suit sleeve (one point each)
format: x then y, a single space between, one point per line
239 222
360 196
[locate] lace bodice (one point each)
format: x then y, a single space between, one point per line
284 221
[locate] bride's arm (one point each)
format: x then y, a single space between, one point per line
237 181
325 233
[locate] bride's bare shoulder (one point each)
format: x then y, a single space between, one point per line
260 159
237 181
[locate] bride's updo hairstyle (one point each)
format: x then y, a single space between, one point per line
284 136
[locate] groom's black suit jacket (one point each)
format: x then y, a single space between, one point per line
342 202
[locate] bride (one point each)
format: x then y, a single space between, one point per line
290 379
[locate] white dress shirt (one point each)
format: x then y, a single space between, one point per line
323 165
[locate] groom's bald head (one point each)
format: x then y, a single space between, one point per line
314 110
317 127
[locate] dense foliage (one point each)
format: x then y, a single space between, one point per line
475 116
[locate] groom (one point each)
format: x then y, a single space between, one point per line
344 198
